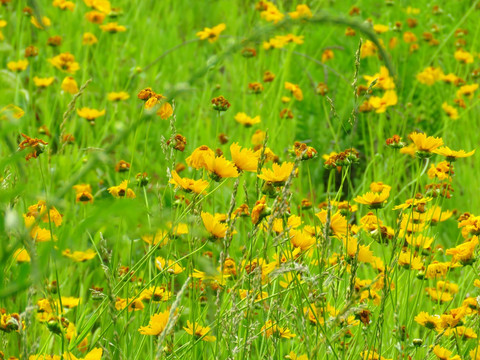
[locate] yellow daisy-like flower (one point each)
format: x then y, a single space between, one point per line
373 200
270 328
113 27
118 96
157 324
89 39
90 114
295 90
432 322
17 66
199 331
221 168
425 144
244 159
451 111
170 266
65 62
70 85
199 157
213 225
122 190
211 34
278 175
189 185
452 155
43 82
302 11
79 256
246 120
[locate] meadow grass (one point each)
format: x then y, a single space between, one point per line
315 261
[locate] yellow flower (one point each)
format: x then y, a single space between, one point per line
89 39
467 90
278 175
211 34
156 294
158 323
373 200
100 5
246 120
464 252
189 185
410 261
213 225
452 155
118 96
21 255
244 159
271 13
79 256
122 190
270 328
11 110
463 56
94 354
221 168
135 304
84 193
451 111
383 79
95 17
380 29
302 11
90 114
165 111
199 157
65 62
430 75
338 222
45 22
17 66
295 90
64 4
199 331
43 82
113 27
69 302
70 85
424 143
380 104
431 322
170 266
367 49
159 237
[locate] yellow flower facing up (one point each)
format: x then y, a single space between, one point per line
432 322
122 191
113 27
118 96
272 329
200 332
213 225
211 34
17 66
424 145
302 11
90 114
221 168
244 159
451 111
157 324
278 175
79 256
452 155
65 62
380 104
246 120
43 82
189 185
373 200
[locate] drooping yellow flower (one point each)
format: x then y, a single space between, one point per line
200 332
21 256
278 175
373 200
244 159
70 85
338 222
199 157
295 90
213 225
122 190
11 110
452 155
211 34
158 323
246 120
367 49
464 252
221 168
